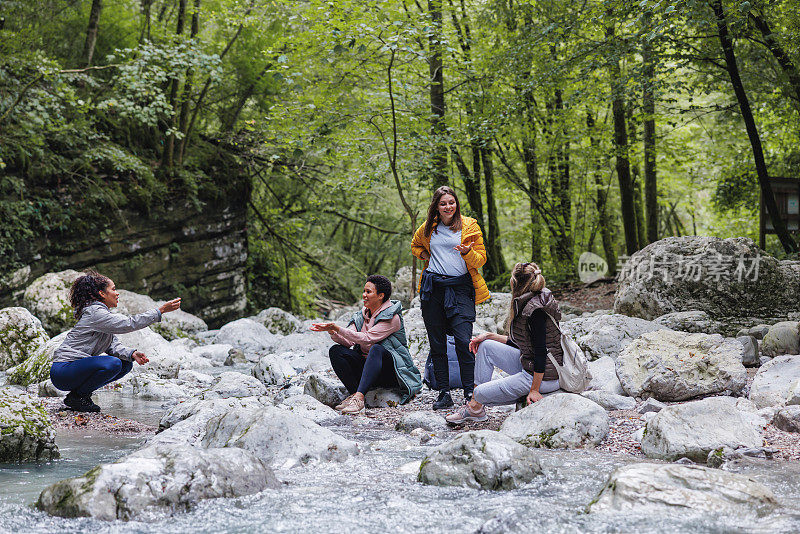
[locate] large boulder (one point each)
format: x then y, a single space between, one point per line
325 389
694 321
247 335
280 438
21 336
201 411
216 352
233 384
166 357
481 459
48 299
26 433
782 338
558 421
272 370
150 387
730 279
310 408
788 419
425 420
174 325
604 376
673 366
279 321
694 429
307 350
157 479
606 335
610 401
683 486
37 367
492 314
776 382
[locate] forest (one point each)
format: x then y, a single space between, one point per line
564 127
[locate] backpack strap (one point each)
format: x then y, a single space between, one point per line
555 323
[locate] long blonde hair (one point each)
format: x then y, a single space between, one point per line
525 278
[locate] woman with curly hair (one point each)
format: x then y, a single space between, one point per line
91 356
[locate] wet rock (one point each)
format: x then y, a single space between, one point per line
272 370
683 486
235 356
508 520
651 406
607 335
750 354
279 321
152 387
26 434
37 367
327 390
694 429
47 298
782 338
775 381
310 408
157 480
174 325
788 419
559 421
382 398
247 335
672 366
610 401
233 384
427 421
604 376
481 459
21 336
694 321
280 438
722 281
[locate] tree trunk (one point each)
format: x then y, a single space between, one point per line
784 60
169 148
91 31
495 264
623 168
649 110
435 67
789 245
472 183
565 253
147 6
532 170
183 122
601 200
641 237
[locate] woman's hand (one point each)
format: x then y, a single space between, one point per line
424 255
534 396
331 328
463 248
139 357
170 305
475 342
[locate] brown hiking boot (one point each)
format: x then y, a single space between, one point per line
353 405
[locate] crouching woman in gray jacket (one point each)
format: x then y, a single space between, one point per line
91 356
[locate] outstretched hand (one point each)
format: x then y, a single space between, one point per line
324 327
139 358
463 248
170 305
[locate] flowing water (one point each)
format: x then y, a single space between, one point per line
377 491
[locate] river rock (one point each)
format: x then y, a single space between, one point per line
693 321
151 387
196 379
428 421
26 434
558 421
37 367
308 350
46 388
607 335
203 410
782 338
610 401
21 336
694 429
47 298
672 366
173 325
788 419
750 353
310 408
604 376
216 352
492 314
730 279
233 384
775 381
481 459
327 390
651 405
157 479
382 398
247 335
683 486
167 358
280 438
279 321
272 370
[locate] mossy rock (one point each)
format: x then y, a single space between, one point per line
26 433
21 336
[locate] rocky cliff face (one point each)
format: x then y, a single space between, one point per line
196 252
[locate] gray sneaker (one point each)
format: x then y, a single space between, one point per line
464 414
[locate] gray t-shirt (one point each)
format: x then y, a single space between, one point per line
444 259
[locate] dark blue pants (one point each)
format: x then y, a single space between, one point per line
84 376
359 374
459 325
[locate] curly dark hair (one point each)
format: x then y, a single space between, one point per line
86 289
382 285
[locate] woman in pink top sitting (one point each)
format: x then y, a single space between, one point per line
379 357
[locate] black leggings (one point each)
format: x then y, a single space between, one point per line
359 374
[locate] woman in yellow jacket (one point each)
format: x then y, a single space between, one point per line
452 247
